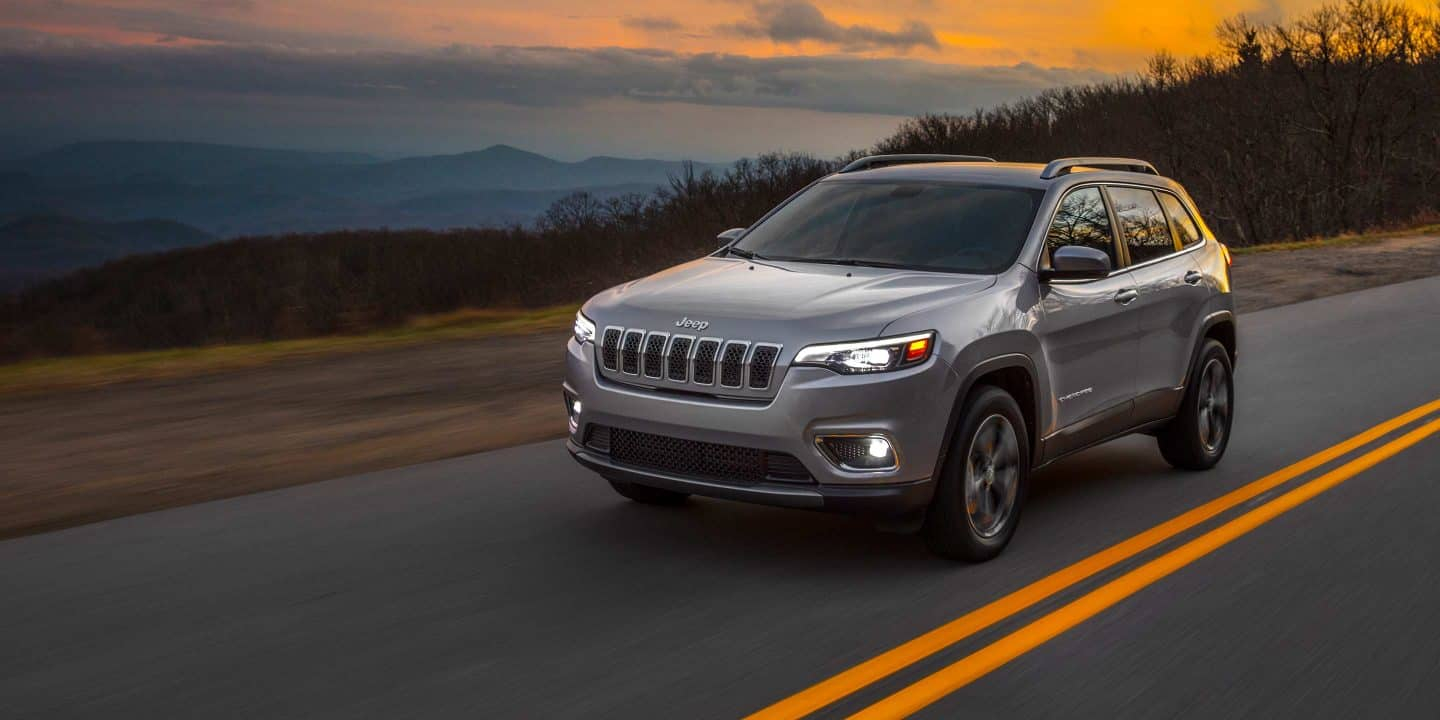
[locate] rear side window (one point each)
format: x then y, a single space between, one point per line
1081 220
1185 227
1142 224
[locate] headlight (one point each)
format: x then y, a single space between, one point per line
584 329
870 355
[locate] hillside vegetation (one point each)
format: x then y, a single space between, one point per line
1324 125
43 246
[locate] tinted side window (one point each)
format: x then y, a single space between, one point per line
1185 226
1081 220
1142 224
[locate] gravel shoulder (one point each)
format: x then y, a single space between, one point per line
70 457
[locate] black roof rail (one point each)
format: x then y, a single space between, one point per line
1065 166
878 161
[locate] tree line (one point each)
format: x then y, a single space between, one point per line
1325 124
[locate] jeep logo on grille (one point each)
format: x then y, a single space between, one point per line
696 325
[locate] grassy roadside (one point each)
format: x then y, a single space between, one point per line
1337 241
95 370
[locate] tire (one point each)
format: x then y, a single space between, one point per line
1196 439
996 478
646 494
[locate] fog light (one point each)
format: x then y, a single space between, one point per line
572 411
858 452
879 448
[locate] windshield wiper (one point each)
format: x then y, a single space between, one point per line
748 255
866 263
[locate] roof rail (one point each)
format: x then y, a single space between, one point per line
878 161
1064 166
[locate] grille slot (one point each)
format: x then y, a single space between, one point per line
655 354
732 363
705 353
630 352
677 364
695 459
610 349
762 365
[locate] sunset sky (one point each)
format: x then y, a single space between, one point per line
710 79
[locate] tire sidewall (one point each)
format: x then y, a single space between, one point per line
948 523
1212 351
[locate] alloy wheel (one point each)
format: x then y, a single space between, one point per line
992 476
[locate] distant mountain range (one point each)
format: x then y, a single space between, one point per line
91 195
228 191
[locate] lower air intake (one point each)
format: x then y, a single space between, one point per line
695 459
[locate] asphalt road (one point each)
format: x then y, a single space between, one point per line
515 584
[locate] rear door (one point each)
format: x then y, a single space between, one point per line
1088 330
1167 306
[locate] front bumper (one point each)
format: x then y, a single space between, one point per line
910 407
880 501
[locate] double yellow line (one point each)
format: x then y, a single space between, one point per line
955 676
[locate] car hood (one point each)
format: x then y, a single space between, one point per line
776 301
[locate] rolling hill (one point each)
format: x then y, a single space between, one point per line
232 191
116 161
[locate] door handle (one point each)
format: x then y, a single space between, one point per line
1193 277
1125 297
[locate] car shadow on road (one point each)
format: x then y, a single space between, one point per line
1064 501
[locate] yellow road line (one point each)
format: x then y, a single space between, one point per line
923 646
961 673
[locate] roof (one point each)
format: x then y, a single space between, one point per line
999 173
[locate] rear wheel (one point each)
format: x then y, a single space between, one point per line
1197 437
982 486
646 494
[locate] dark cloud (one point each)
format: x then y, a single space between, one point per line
652 23
794 21
520 76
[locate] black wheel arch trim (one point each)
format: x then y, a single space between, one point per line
1213 319
981 369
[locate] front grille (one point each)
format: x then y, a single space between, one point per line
762 364
695 459
677 365
658 355
705 354
630 352
610 349
732 364
654 354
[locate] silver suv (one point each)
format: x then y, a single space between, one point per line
908 339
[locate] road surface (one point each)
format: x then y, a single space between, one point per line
515 584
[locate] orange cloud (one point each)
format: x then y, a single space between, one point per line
1113 35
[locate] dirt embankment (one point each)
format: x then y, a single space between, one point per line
76 456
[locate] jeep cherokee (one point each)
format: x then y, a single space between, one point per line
908 339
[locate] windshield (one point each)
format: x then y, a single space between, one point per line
924 226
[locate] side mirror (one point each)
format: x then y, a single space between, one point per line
1076 262
729 236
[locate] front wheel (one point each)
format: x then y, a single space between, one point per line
982 486
1197 437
